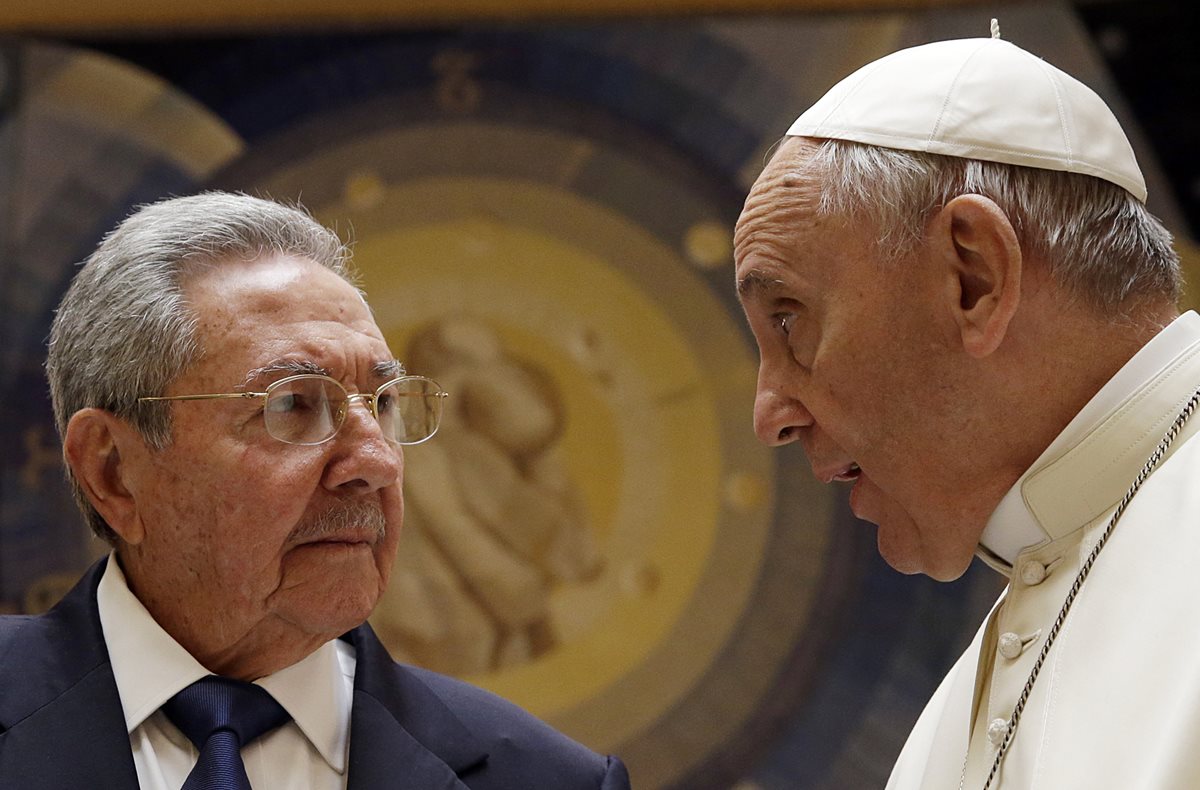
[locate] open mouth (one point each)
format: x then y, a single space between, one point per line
849 474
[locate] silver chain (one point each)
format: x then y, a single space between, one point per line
1151 463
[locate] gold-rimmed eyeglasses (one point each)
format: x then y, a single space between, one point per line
309 408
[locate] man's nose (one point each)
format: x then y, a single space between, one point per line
778 415
363 458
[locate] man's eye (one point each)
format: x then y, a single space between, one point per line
784 322
280 404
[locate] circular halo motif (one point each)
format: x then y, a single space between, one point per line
795 688
803 631
593 533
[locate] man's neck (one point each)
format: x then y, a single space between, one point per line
1084 361
244 650
1063 359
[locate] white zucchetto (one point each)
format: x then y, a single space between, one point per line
978 98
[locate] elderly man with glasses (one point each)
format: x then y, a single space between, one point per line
232 420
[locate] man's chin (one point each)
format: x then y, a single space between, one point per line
329 617
909 560
900 540
330 599
905 562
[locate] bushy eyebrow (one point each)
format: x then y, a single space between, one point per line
290 367
384 369
388 369
755 282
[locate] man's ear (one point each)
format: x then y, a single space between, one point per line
982 260
92 447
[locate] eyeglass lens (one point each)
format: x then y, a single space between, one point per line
409 409
310 409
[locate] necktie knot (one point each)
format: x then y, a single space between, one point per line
219 716
216 703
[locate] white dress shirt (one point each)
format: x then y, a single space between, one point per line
308 753
1012 527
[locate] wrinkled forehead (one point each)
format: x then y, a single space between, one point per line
787 191
252 313
277 285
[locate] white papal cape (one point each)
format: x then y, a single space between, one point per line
1117 703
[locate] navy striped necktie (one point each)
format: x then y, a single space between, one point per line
220 716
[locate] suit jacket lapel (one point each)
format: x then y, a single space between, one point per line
62 725
61 721
402 736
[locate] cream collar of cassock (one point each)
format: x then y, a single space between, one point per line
1024 517
150 667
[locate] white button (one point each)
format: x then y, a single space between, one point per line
996 731
1033 572
1010 645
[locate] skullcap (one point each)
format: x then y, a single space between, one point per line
978 98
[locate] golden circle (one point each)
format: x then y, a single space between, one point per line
656 378
626 452
642 443
745 492
709 245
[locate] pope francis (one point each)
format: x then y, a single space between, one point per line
963 307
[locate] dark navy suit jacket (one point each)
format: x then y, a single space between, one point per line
62 727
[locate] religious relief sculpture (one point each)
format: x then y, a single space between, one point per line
493 523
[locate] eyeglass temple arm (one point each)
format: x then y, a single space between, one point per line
213 396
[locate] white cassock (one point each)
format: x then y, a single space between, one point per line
1117 702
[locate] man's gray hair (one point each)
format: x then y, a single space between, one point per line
124 329
1099 241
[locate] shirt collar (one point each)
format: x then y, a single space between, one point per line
318 692
1013 527
150 667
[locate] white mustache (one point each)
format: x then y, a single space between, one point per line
355 514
